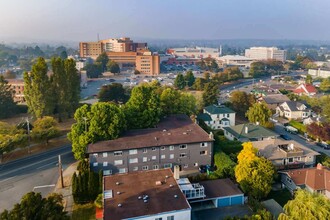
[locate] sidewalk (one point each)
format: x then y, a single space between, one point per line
67 190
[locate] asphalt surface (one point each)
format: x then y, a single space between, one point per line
37 173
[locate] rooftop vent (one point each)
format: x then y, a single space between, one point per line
156 139
171 185
145 201
120 205
166 177
175 196
164 130
118 193
145 197
140 197
184 132
117 183
159 183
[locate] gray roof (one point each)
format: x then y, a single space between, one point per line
216 109
293 105
276 98
204 117
254 131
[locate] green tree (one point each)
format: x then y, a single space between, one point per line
309 79
33 206
254 174
241 101
199 84
211 93
101 121
207 76
214 65
114 92
306 205
258 69
179 81
143 108
37 90
113 67
45 128
259 113
189 78
64 55
93 70
325 85
7 105
99 201
103 59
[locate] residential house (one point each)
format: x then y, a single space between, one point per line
314 119
286 154
305 89
217 117
315 180
175 141
293 110
274 100
144 195
249 132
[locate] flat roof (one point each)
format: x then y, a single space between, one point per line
220 188
172 130
254 131
164 197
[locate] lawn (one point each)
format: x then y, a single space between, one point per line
281 197
83 212
301 127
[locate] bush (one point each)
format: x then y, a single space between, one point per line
229 147
225 166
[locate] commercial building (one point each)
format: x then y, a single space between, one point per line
266 53
235 60
217 117
195 52
175 141
323 73
18 86
125 52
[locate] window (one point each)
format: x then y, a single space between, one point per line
153 148
170 217
204 152
134 151
105 154
167 165
159 218
153 158
171 156
290 160
95 155
144 150
133 160
145 159
122 170
105 164
107 172
204 144
183 146
195 164
162 147
223 115
227 115
185 166
118 162
118 153
144 167
288 180
135 168
297 158
95 164
182 155
155 167
172 147
163 156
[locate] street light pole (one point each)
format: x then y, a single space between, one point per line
28 129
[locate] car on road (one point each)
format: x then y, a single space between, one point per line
285 137
323 145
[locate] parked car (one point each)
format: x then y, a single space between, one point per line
285 137
323 145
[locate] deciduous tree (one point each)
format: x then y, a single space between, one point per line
45 128
7 104
189 78
241 101
114 92
113 67
103 59
259 113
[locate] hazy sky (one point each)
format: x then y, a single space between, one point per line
81 20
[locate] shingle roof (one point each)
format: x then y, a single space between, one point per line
293 105
275 98
216 109
173 130
204 117
254 131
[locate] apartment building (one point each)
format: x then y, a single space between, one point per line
18 86
146 63
175 141
90 49
266 53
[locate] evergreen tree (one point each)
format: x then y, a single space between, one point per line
211 93
189 78
7 104
179 81
103 59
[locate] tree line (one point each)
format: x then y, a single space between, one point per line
102 64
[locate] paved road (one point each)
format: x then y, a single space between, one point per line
37 173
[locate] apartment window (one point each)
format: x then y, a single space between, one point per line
168 165
95 164
105 154
95 155
153 148
155 167
162 147
118 162
122 170
144 150
204 144
135 168
107 172
158 218
134 151
182 155
288 180
171 156
297 158
183 146
172 147
145 159
290 160
105 164
227 115
195 164
118 153
170 217
163 156
223 115
144 167
133 160
153 158
204 152
185 166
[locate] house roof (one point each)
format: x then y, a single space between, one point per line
254 131
172 130
220 188
270 149
161 195
305 88
275 98
317 178
216 109
293 105
204 117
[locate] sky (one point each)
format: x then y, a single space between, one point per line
83 20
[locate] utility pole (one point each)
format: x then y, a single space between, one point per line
28 130
60 170
85 119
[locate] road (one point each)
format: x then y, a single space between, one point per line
37 173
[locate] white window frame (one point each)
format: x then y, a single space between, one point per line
171 156
145 159
122 170
153 157
105 163
155 167
105 154
144 150
107 172
95 164
95 155
182 146
162 147
135 168
204 144
168 165
133 160
185 166
163 156
118 162
172 147
205 152
153 148
182 155
132 151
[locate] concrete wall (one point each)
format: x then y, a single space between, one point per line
178 215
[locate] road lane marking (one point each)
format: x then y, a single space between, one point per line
44 186
45 165
7 179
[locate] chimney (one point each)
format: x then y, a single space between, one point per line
176 172
246 129
319 166
211 135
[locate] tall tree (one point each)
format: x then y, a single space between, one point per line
93 70
199 84
103 59
325 85
179 81
113 67
114 92
37 90
7 104
309 79
259 113
211 93
189 78
241 101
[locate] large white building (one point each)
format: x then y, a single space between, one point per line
235 60
319 73
266 53
196 52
